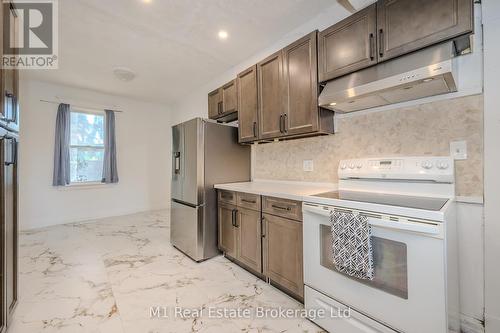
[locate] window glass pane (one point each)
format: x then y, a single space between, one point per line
87 129
86 164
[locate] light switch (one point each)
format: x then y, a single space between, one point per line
458 150
308 165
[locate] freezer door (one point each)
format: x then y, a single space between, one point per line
177 161
193 162
186 228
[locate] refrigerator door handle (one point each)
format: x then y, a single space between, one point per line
177 162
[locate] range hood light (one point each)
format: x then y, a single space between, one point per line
428 80
333 104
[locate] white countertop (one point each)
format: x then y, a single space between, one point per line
280 189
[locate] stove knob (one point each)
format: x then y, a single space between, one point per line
343 166
352 166
359 165
427 165
443 165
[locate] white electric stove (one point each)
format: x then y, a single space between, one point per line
409 202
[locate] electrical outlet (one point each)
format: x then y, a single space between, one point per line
458 150
308 165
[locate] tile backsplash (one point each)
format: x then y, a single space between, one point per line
425 129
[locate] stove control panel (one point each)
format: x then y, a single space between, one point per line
425 168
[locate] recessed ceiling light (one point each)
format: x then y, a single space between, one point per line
147 1
223 34
124 74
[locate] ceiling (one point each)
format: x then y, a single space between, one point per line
171 45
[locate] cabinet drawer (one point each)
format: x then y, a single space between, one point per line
227 197
247 200
282 207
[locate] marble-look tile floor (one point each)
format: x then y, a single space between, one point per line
111 275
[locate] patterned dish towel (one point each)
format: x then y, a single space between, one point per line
352 246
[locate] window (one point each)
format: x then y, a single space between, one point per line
86 147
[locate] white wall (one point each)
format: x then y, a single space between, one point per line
143 146
491 21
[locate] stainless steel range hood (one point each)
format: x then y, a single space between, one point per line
425 73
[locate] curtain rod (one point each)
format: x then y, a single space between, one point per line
79 106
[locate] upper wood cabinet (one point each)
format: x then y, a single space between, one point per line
247 105
9 117
349 45
408 25
270 92
214 104
388 29
300 80
283 100
223 101
229 98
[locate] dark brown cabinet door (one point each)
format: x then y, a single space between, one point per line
9 220
227 230
249 236
283 261
229 98
408 25
349 45
270 91
247 105
301 86
10 78
214 104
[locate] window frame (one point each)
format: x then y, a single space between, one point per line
95 113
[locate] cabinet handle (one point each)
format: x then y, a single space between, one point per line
248 201
263 227
177 163
281 123
281 208
13 151
219 107
14 109
285 121
372 47
234 216
254 129
381 42
10 105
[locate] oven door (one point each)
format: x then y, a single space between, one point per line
408 291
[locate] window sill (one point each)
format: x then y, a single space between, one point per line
86 185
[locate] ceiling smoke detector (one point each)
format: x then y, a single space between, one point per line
124 74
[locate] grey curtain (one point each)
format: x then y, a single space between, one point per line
110 170
61 176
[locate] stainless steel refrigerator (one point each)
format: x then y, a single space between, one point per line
204 153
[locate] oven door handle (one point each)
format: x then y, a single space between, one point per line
418 227
432 229
318 210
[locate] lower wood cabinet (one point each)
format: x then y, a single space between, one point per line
268 244
283 257
248 224
9 229
227 230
